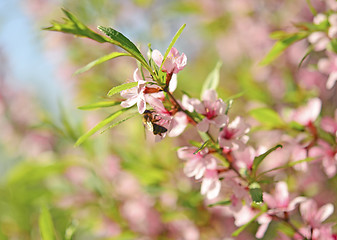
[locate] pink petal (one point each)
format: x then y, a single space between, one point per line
210 95
179 124
157 57
129 102
325 211
282 194
203 125
308 210
331 80
220 121
264 220
294 202
173 83
141 104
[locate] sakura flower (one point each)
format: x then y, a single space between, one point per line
327 155
244 159
196 164
329 124
329 66
307 114
136 95
211 184
173 63
279 203
314 218
319 40
233 136
213 108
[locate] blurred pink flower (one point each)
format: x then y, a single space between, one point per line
211 184
278 204
173 63
314 216
213 108
329 67
329 124
233 136
307 114
327 155
244 159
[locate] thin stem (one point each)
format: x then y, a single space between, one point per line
290 224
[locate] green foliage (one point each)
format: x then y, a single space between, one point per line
73 26
46 224
212 80
101 60
120 40
267 117
121 87
220 203
256 193
204 145
97 105
100 125
280 46
258 160
175 38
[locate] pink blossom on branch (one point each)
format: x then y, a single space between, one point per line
329 66
213 108
233 136
307 114
173 63
330 124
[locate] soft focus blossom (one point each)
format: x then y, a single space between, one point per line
233 136
329 66
173 63
213 108
328 155
278 204
211 184
330 124
244 159
307 114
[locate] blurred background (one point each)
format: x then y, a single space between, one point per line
118 185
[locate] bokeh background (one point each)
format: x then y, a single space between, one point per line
119 185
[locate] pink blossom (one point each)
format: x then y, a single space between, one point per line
329 66
233 136
196 164
279 203
173 63
211 184
307 114
213 108
327 155
244 159
314 216
136 94
329 124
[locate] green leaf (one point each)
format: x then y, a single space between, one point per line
120 40
212 80
258 160
175 38
120 121
202 146
97 105
121 87
220 203
99 126
46 225
101 60
256 193
73 26
280 46
267 117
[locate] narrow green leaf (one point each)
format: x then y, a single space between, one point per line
46 225
175 38
280 46
73 26
220 203
99 126
97 105
212 80
120 121
101 60
121 87
258 160
267 117
120 40
202 146
256 193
